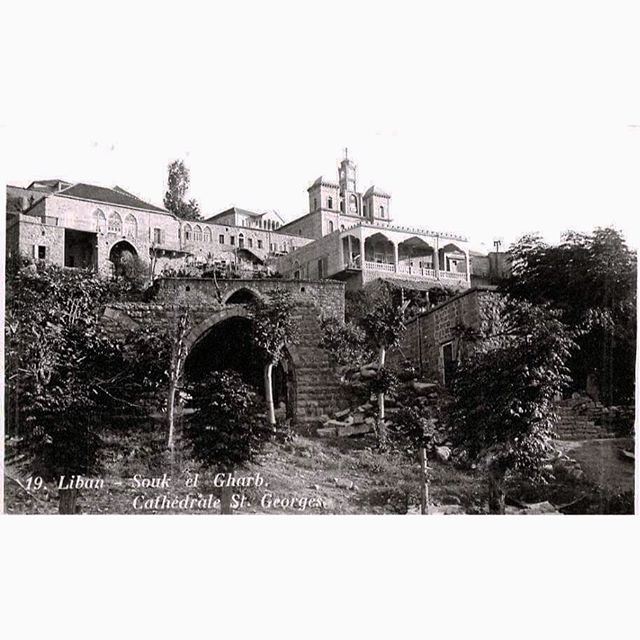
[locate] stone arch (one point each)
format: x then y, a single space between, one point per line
124 256
289 364
200 330
207 234
197 233
242 289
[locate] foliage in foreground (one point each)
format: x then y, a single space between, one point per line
67 377
504 392
591 280
225 429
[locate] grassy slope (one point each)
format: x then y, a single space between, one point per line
348 475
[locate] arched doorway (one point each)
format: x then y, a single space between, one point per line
225 342
124 258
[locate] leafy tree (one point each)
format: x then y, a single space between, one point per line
177 188
383 325
591 279
225 429
345 342
504 394
375 324
274 327
67 377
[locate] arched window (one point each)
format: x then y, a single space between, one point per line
241 241
197 233
330 202
382 212
187 232
115 223
342 206
207 234
353 204
130 227
330 226
101 221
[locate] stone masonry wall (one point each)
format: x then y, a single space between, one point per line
317 390
426 334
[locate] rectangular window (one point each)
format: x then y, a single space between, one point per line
232 239
271 246
221 239
157 235
250 241
259 244
42 253
320 269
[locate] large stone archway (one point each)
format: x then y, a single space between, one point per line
235 351
314 389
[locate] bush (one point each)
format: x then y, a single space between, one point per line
225 429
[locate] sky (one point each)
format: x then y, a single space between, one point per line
488 119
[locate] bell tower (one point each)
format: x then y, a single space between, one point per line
349 200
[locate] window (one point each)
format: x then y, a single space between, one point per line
250 241
241 241
382 212
296 274
271 246
130 227
42 253
232 240
330 226
102 221
353 204
342 206
221 238
187 232
315 203
330 203
115 223
259 244
197 233
320 269
157 236
207 234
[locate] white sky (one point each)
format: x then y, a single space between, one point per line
485 118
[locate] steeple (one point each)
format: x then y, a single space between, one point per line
347 175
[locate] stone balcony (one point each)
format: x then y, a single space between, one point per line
389 269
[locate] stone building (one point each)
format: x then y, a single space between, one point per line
431 341
357 241
87 226
347 235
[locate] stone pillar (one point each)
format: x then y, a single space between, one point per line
395 257
436 260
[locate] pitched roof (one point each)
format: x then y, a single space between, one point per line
117 196
244 212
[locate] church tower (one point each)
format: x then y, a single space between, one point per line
349 198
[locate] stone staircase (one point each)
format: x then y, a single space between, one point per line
576 424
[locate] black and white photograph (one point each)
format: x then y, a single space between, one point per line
183 335
272 259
